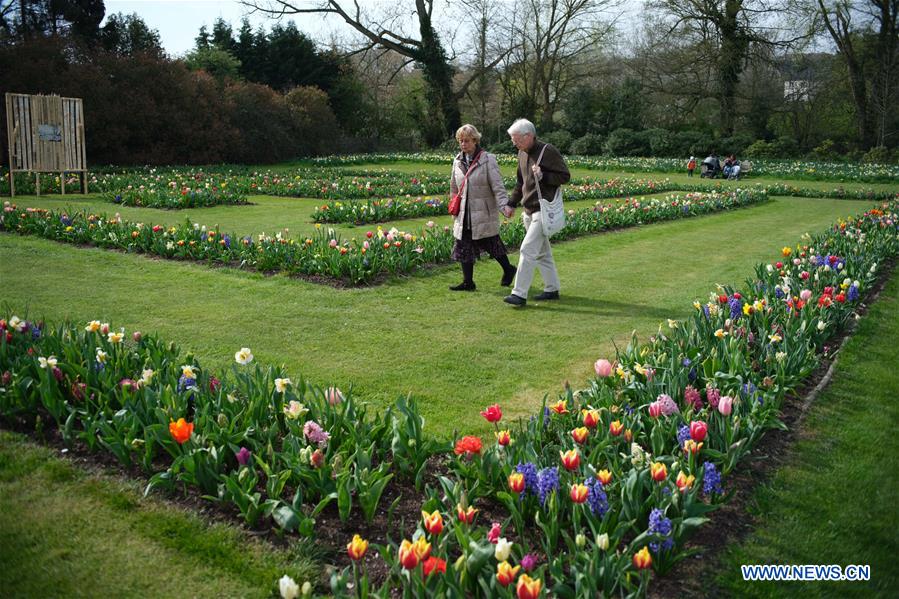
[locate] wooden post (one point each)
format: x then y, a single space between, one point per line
37 183
12 182
62 182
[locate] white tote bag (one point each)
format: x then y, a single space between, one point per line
552 214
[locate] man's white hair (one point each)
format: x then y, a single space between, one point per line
522 127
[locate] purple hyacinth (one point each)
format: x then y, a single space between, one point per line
668 406
778 293
36 332
705 310
683 433
596 497
711 480
660 525
547 482
227 239
853 293
736 308
529 470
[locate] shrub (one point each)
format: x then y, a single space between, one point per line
561 139
736 144
659 141
759 149
877 155
313 120
503 147
826 150
625 142
590 144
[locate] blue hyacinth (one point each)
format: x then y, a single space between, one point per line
529 470
711 480
227 239
660 525
683 433
185 382
853 293
736 308
547 482
778 292
596 497
35 332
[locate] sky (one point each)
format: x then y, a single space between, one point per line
178 22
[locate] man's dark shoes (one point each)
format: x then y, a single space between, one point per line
508 277
515 300
548 295
464 286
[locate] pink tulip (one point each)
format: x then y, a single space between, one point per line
805 295
655 409
726 405
603 367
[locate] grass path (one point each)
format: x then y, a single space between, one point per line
67 533
456 352
833 502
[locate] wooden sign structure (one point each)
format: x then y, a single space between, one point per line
46 135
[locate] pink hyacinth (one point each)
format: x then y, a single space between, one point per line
668 405
603 367
693 398
315 434
712 394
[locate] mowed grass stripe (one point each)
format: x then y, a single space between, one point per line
456 352
833 502
67 533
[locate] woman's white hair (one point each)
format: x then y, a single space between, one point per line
522 127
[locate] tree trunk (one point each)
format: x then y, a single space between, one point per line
438 74
734 45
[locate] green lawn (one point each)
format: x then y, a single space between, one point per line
456 352
67 533
833 501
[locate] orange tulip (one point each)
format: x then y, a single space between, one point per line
407 555
591 418
692 447
684 482
580 434
181 430
516 482
605 477
433 522
579 493
560 407
503 438
658 471
628 435
571 459
422 549
357 547
615 428
528 588
505 573
466 515
642 559
433 564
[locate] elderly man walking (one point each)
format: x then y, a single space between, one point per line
539 164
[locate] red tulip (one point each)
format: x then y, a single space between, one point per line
698 430
492 413
616 428
579 493
570 459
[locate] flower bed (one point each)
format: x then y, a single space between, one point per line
353 261
373 211
600 488
788 169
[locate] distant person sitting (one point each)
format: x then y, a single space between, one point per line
728 165
735 171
